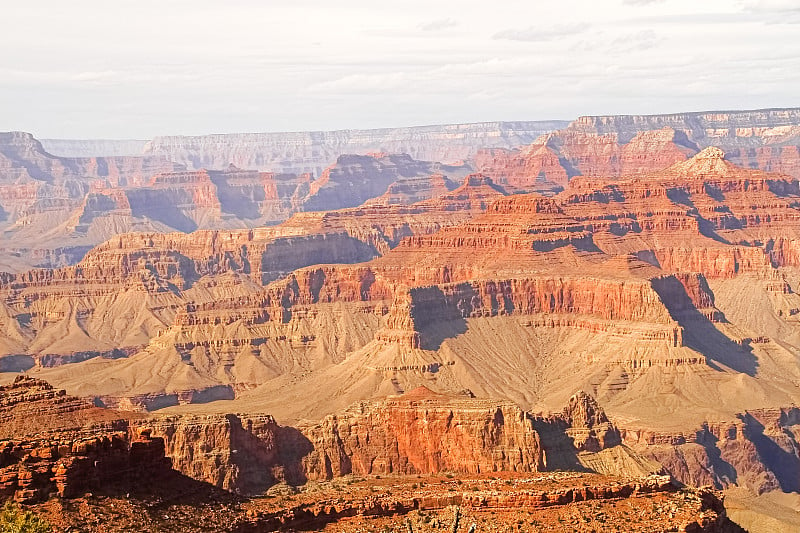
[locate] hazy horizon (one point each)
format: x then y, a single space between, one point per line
136 70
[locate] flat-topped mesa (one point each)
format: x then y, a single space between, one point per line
421 433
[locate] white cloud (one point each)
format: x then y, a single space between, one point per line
194 66
541 33
773 11
439 24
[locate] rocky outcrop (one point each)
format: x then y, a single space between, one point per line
628 145
356 179
33 469
30 406
240 454
758 450
490 499
423 432
53 443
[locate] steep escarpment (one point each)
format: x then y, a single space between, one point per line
758 451
423 433
627 145
55 443
716 126
150 280
314 151
46 200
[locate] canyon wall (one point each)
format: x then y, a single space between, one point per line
758 450
313 151
626 145
93 147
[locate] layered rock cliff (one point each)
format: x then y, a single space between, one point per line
422 433
758 450
46 200
314 151
609 286
626 145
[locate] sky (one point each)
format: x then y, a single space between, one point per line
136 69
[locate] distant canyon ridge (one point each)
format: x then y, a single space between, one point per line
59 198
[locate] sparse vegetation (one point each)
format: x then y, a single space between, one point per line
14 519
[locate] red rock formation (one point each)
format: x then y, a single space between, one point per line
523 497
423 432
589 426
412 190
758 450
764 139
55 443
615 146
356 179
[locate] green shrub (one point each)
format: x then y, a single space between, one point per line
13 519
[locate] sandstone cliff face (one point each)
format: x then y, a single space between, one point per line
422 433
151 277
227 451
58 444
606 282
624 238
418 433
628 145
758 450
56 460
